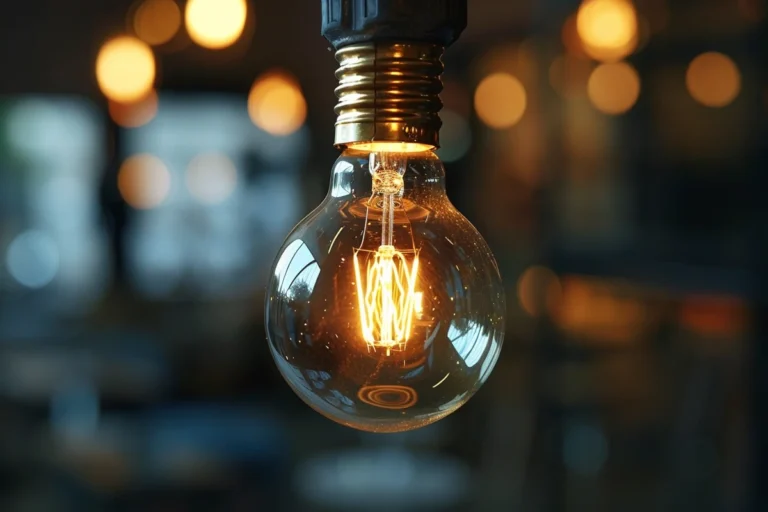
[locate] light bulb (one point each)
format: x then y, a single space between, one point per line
385 309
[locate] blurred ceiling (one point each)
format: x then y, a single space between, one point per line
50 46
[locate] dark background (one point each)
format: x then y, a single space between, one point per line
134 368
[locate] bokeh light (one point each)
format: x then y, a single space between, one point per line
215 24
157 21
715 315
455 136
125 69
713 79
607 28
276 104
33 259
134 114
614 88
500 100
538 290
211 178
144 181
597 311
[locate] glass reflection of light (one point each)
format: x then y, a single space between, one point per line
297 270
342 179
490 361
453 403
469 342
312 380
33 259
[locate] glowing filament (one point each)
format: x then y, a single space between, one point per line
386 297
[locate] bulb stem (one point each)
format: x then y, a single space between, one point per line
389 92
387 219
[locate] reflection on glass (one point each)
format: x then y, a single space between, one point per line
469 342
297 271
342 184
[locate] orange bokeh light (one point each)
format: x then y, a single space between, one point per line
713 79
538 290
276 104
614 88
608 28
125 69
157 21
500 100
144 181
215 24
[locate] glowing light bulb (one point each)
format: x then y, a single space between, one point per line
385 308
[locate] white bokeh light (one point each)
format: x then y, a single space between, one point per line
211 178
33 259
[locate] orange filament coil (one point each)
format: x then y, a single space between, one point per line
386 297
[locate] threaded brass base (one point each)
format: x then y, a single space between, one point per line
389 92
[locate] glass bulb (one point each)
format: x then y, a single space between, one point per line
385 308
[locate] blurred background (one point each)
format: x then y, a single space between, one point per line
153 155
